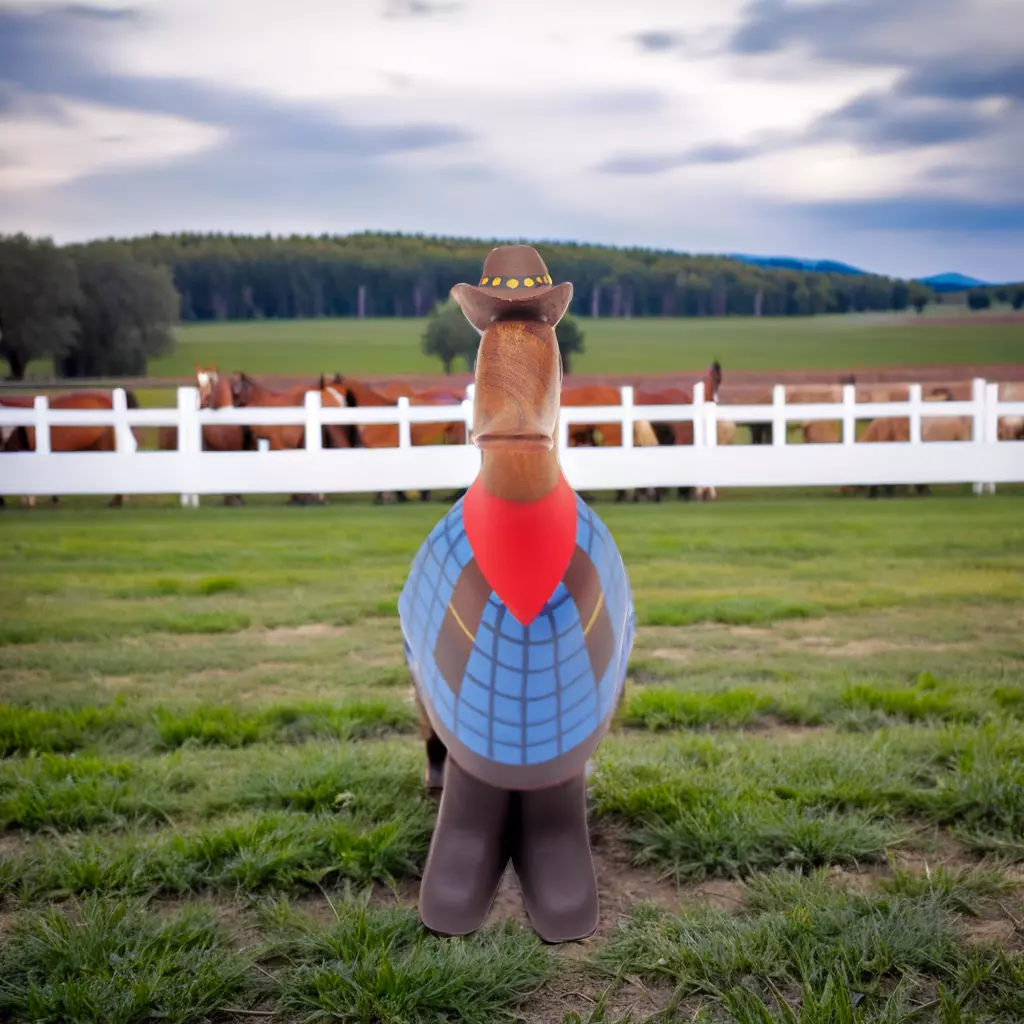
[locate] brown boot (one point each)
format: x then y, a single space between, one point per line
468 854
551 854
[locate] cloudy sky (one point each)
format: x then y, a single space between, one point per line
887 133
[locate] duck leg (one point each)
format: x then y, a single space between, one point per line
551 854
468 854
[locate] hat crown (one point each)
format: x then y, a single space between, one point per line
514 261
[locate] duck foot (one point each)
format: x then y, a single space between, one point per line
468 854
552 859
544 831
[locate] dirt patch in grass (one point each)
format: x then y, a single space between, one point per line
572 991
681 655
307 631
998 930
240 924
772 728
933 846
862 648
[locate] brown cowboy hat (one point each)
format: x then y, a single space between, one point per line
515 284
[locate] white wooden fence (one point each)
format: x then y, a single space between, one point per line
189 471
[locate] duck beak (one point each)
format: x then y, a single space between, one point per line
518 388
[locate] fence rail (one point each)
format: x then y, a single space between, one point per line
984 460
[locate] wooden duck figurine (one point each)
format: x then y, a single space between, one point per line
517 619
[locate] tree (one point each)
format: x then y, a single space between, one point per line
38 295
449 335
570 339
919 296
1018 298
978 299
125 315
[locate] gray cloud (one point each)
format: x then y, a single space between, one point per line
658 41
54 54
853 31
966 79
915 213
885 122
715 153
419 8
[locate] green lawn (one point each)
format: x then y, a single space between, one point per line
645 345
811 808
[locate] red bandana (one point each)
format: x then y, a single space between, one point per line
522 547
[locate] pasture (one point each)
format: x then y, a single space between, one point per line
645 345
810 810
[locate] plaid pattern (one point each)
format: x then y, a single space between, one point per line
528 695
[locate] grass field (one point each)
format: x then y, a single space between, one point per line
646 345
810 810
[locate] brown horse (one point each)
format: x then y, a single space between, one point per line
215 392
681 432
889 429
589 434
385 435
71 438
248 393
1011 428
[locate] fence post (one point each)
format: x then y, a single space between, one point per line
628 416
991 422
779 415
978 421
41 406
124 439
314 435
404 426
711 423
190 439
914 401
698 415
849 413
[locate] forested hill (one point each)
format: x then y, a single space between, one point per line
231 277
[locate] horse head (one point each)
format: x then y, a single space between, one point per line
242 388
207 379
715 380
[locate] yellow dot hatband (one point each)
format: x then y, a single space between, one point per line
513 282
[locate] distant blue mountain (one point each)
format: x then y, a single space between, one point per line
952 282
791 263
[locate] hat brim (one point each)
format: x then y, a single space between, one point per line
483 306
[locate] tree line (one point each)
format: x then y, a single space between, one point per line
107 307
232 277
96 310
